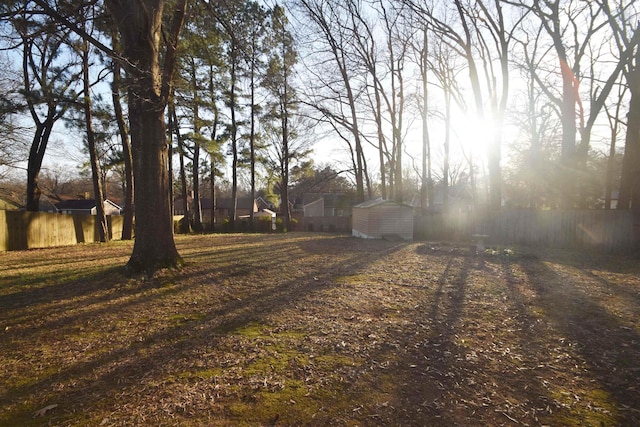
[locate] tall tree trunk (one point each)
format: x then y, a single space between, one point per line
185 225
355 132
568 158
381 143
98 193
447 144
234 149
213 192
139 24
196 206
284 188
426 186
614 123
127 224
34 163
630 180
40 136
252 140
154 246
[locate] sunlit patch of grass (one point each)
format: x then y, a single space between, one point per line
576 408
279 397
292 403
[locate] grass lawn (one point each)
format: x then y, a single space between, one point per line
319 329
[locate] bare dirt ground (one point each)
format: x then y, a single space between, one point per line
319 329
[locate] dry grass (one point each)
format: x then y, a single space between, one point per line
318 329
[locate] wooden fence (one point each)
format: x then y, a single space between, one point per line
340 224
610 231
28 230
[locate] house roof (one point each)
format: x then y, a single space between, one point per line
319 201
80 204
263 204
76 204
243 203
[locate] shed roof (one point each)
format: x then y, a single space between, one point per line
331 200
380 202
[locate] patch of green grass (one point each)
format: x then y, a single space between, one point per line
290 404
203 374
251 330
181 319
593 407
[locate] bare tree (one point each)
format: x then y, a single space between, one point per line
482 34
623 20
615 124
335 95
368 53
426 185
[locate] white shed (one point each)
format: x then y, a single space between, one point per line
376 219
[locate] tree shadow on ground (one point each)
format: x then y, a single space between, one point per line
324 330
607 343
157 330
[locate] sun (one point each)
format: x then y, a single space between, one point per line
472 135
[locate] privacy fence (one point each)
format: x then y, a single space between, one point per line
339 224
28 230
610 231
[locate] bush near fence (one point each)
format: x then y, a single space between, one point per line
612 231
21 230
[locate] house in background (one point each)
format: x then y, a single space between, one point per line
205 207
47 204
244 206
86 207
326 204
222 208
378 219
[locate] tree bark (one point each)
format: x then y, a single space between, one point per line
629 197
139 23
34 163
185 225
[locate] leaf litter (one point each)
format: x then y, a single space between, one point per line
320 329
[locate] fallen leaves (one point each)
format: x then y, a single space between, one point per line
348 332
